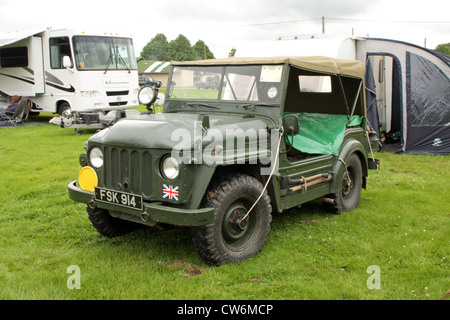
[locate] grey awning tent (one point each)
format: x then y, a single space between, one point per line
420 94
371 101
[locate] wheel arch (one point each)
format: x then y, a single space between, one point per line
60 103
350 147
253 170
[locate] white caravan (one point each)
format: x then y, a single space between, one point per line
68 71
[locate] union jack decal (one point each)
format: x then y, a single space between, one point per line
170 192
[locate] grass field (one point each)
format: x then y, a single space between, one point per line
401 229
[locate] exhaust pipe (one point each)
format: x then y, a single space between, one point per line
327 200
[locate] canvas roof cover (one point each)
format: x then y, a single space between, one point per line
327 65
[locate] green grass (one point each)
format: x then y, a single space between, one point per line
401 225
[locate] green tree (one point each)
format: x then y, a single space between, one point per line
156 49
180 49
201 51
232 53
444 48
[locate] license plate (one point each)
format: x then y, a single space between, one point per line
118 198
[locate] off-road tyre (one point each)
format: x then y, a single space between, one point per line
348 192
107 225
226 240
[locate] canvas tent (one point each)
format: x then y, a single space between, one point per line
415 100
407 86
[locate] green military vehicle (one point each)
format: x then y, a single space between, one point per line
271 134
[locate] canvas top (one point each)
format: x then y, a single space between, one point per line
322 64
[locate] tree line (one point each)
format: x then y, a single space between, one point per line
179 49
444 48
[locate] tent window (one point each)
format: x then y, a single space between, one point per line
429 95
14 57
381 71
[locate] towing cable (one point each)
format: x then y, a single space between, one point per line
270 177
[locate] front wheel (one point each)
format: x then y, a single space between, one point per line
107 225
234 237
65 110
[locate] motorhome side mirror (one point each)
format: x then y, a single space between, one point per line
67 62
290 125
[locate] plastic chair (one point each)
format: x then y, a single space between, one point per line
20 115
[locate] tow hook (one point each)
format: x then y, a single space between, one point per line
145 216
92 204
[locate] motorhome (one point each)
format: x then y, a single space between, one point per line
69 71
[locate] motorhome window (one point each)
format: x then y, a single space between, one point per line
125 54
104 53
59 47
14 57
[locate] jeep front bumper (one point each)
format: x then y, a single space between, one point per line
151 214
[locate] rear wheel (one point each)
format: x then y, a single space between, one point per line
234 237
350 185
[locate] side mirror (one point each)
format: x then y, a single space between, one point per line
290 125
67 62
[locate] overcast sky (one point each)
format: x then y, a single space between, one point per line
227 24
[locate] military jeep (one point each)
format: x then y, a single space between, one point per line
269 135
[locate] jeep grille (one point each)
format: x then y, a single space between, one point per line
128 171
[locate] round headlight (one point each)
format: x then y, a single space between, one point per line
96 157
147 95
170 168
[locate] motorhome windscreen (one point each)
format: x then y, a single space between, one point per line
104 53
260 83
